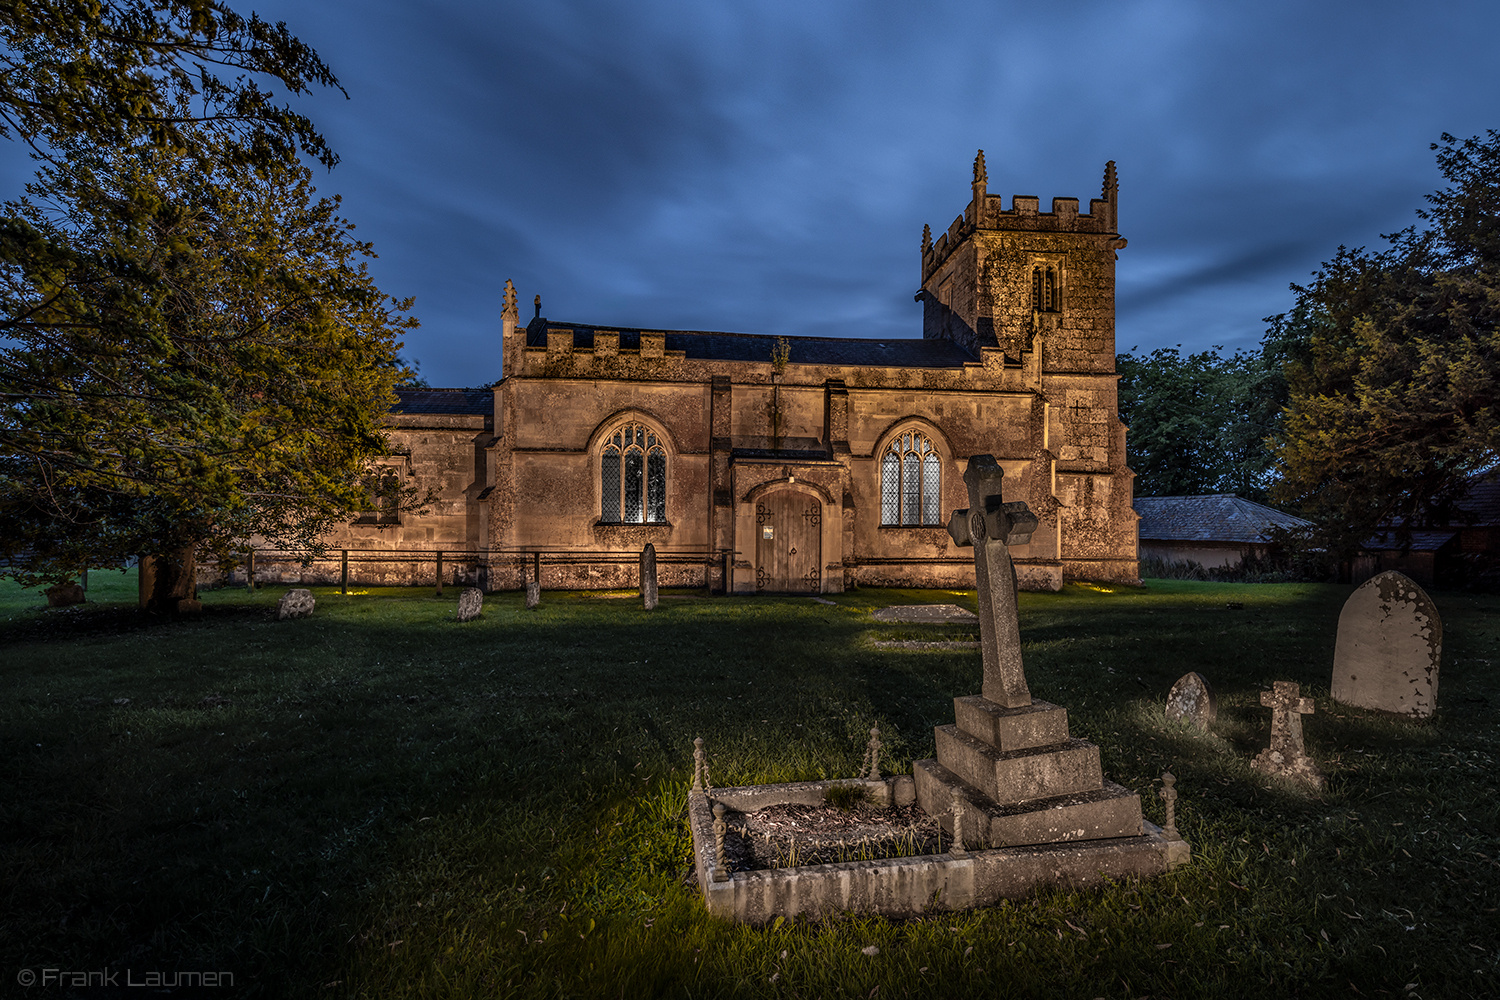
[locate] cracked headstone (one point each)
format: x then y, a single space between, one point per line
648 577
296 603
1287 757
470 604
1191 700
1389 644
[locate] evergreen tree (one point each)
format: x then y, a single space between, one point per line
1394 364
194 351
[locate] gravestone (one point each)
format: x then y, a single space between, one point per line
648 577
63 594
470 603
1287 757
533 594
1389 643
296 603
1007 771
1191 700
925 614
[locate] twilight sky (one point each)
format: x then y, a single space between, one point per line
766 167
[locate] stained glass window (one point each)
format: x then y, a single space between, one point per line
633 477
911 482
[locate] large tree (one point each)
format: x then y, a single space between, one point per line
1394 364
1198 422
195 351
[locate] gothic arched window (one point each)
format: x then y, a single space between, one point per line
633 477
911 481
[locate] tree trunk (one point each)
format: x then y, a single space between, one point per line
168 578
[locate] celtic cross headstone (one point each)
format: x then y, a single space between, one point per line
991 526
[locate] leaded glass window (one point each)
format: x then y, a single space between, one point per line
911 482
633 477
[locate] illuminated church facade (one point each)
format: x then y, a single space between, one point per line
757 463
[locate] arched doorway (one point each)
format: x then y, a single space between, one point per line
789 542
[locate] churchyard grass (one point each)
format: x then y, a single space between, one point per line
378 801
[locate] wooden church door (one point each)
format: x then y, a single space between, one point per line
789 543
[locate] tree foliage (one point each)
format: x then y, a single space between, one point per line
114 72
1198 422
194 351
1394 364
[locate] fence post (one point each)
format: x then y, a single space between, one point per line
344 575
536 567
250 571
440 573
85 575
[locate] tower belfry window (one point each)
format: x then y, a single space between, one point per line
1044 293
911 482
633 477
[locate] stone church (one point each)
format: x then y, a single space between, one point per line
757 463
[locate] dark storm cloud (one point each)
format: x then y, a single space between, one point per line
768 166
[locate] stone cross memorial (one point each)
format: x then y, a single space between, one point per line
992 526
1287 757
1389 645
1008 765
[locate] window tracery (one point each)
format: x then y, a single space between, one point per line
633 477
911 481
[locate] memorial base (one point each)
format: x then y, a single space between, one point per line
905 886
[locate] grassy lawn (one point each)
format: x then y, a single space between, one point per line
378 801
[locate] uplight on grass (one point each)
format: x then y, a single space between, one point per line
281 832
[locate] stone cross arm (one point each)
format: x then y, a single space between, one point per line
1287 697
1008 523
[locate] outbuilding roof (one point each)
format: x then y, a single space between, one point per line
884 352
1216 517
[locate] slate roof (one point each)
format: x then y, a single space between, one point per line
1480 505
1421 541
481 401
887 352
1217 517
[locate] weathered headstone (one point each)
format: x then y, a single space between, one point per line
470 603
189 607
63 594
1389 644
1192 700
648 577
296 603
1287 757
533 594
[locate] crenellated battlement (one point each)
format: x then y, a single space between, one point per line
987 212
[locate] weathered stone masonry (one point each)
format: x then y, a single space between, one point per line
773 469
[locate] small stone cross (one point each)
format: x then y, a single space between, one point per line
1287 754
991 525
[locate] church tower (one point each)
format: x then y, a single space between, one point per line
1023 280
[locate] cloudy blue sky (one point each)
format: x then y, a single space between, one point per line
767 167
